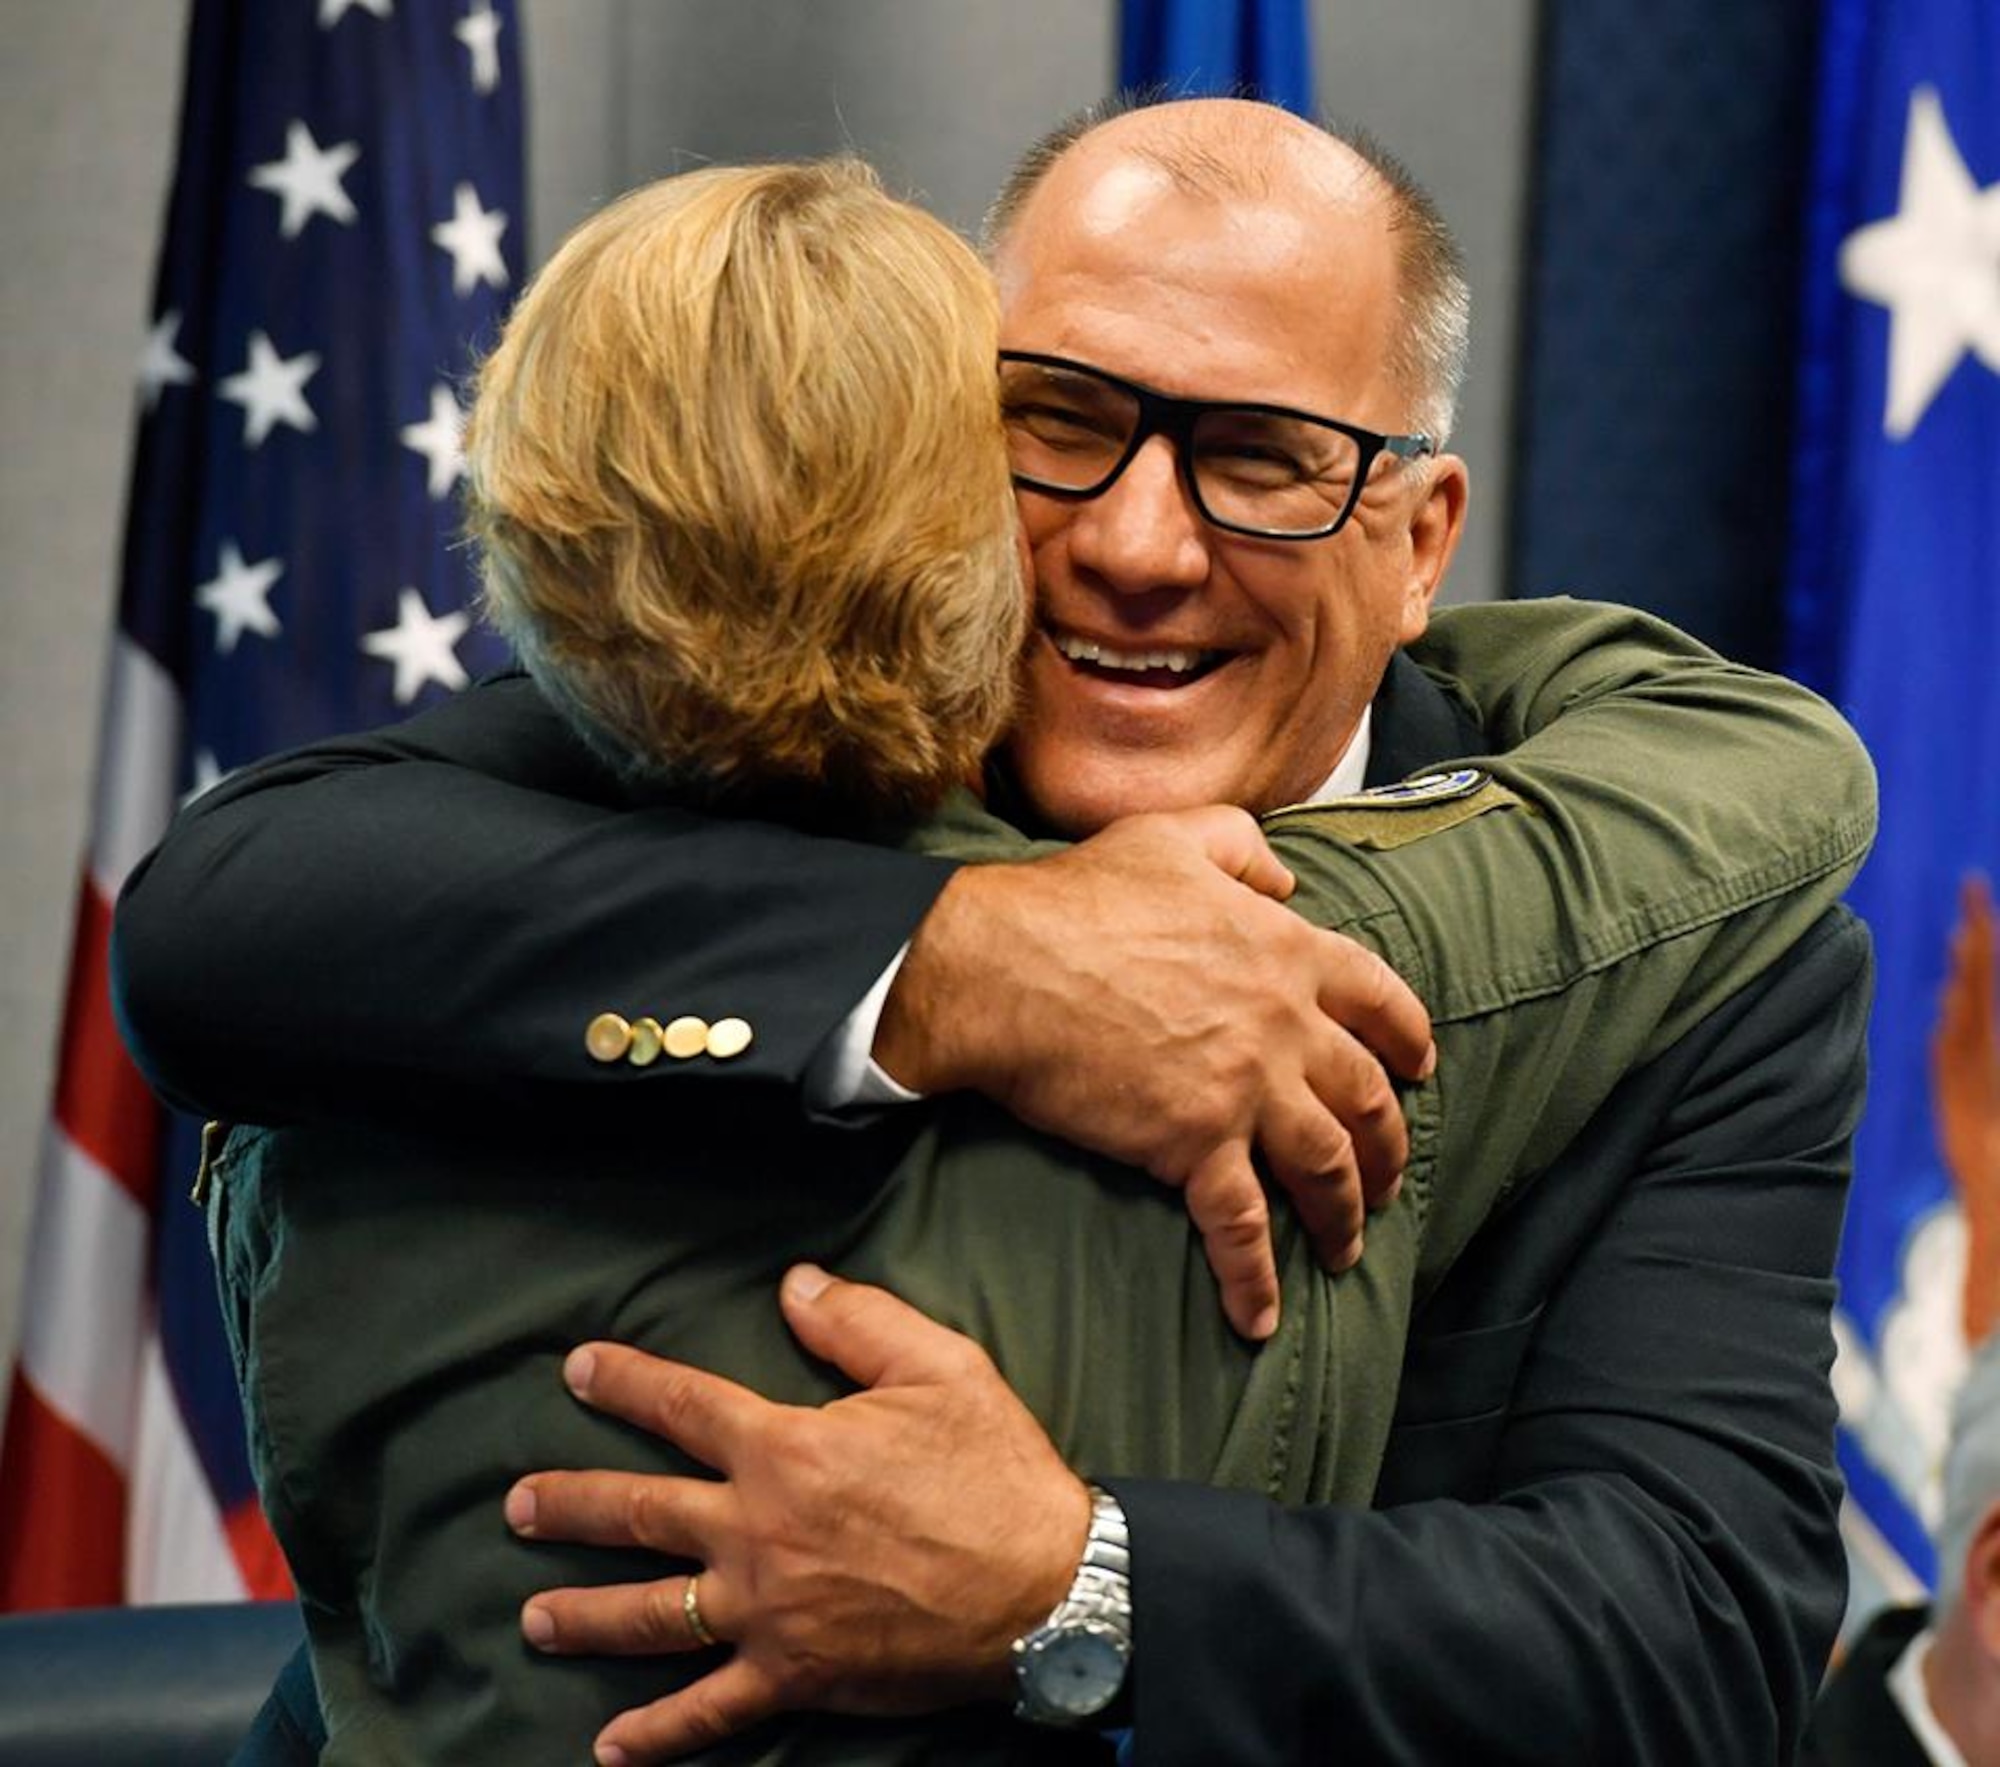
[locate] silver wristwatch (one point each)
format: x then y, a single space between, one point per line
1071 1666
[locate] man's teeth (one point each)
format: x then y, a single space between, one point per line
1082 650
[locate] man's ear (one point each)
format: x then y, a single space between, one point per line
1981 1596
1435 525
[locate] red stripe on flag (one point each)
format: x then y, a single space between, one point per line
266 1576
102 1104
62 1512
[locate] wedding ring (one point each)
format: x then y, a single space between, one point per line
691 1611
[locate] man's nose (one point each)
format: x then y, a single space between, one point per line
1144 532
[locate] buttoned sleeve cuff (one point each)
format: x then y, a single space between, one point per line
844 1084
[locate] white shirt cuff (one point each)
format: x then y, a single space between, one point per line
844 1083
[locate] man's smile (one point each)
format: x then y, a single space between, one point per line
1156 665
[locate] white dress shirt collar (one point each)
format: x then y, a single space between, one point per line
1351 771
1906 1688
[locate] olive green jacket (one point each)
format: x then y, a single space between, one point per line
400 1305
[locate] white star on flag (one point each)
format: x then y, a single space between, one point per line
436 439
479 31
272 390
239 595
332 11
160 364
1935 264
307 179
420 644
472 236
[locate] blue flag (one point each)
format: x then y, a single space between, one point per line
1894 612
1200 47
345 226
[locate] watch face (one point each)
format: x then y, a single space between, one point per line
1077 1673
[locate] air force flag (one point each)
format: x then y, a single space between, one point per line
1894 612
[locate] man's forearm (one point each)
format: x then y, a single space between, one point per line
427 919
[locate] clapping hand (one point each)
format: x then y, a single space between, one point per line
1965 1083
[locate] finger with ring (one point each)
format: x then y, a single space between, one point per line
691 1611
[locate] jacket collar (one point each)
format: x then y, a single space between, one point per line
1417 724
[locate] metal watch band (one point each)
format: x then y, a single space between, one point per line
1102 1587
1098 1606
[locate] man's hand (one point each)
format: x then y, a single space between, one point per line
877 1555
1144 995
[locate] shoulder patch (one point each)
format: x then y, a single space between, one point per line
1425 788
1388 816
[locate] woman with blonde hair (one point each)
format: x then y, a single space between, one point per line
737 478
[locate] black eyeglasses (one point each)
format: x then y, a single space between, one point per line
1261 470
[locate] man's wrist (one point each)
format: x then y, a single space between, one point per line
1072 1668
843 1082
937 1006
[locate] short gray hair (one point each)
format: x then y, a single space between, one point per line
1971 1469
1428 355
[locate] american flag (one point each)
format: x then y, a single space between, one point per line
345 228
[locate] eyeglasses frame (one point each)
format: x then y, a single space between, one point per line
1164 414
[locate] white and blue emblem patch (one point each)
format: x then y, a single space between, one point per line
1387 816
1425 789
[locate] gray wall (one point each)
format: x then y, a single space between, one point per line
939 92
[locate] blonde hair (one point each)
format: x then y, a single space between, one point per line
738 480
